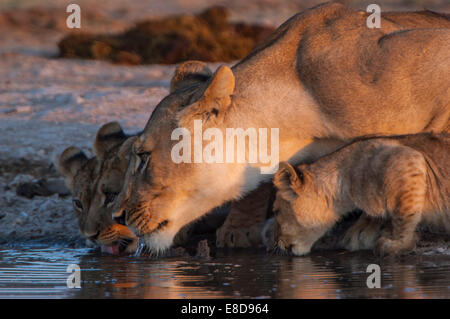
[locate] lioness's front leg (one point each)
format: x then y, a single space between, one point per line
244 223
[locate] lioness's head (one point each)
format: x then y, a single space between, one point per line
162 193
95 183
300 209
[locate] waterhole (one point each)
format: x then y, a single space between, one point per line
36 271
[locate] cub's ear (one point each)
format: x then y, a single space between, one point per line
288 181
70 162
188 73
215 101
108 136
125 148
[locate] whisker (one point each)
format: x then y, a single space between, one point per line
140 247
278 251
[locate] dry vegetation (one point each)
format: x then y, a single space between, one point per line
207 36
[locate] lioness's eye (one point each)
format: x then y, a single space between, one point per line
109 198
77 205
299 173
144 158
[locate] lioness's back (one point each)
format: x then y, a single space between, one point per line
419 19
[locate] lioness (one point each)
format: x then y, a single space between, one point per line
405 178
247 214
241 228
322 78
95 182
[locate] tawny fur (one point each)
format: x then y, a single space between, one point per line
95 182
405 179
363 233
322 76
249 213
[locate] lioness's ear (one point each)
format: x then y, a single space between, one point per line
188 73
70 162
108 136
222 84
288 181
125 148
216 99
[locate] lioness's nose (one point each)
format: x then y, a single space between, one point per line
120 218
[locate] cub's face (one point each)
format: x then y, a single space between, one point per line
302 214
286 227
95 184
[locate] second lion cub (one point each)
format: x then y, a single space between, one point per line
404 178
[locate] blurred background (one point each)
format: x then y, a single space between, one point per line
37 25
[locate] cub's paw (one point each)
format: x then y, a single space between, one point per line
386 246
362 235
239 237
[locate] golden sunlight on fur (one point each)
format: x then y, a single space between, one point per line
403 178
322 75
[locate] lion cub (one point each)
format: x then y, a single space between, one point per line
405 178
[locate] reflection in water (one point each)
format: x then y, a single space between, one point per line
34 271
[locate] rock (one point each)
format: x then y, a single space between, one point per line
20 179
43 187
57 186
29 190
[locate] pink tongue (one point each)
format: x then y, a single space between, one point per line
112 250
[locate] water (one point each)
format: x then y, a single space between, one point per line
40 272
